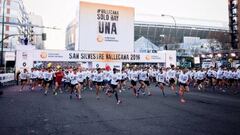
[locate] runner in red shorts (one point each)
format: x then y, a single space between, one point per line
58 81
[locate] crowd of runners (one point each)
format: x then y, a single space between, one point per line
138 79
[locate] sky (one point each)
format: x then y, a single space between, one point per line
58 13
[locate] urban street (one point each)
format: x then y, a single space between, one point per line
204 113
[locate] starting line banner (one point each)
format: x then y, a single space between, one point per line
26 58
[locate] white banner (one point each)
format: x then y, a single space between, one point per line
106 27
6 77
25 59
78 56
9 56
171 58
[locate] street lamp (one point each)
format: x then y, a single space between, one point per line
175 23
3 17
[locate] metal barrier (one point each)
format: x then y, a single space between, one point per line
7 79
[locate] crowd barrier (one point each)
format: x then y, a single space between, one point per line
7 79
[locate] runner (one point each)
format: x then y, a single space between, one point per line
124 77
171 75
99 82
183 85
48 78
133 75
58 80
23 76
80 79
160 78
114 84
33 78
74 83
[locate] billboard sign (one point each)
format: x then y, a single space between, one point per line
106 28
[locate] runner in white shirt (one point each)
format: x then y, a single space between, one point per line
74 83
134 78
80 79
99 81
88 78
183 84
171 75
114 77
124 77
33 78
160 78
66 81
200 79
48 78
106 81
142 79
23 77
220 78
40 77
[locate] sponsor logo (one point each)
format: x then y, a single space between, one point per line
99 39
43 55
148 57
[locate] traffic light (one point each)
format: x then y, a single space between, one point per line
44 36
25 41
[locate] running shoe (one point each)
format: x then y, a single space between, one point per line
79 97
98 97
70 96
182 101
55 94
119 102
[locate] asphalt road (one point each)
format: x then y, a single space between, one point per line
30 113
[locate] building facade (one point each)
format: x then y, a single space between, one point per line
163 35
18 22
234 22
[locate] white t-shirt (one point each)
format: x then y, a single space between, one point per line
143 76
23 76
238 73
80 77
200 75
219 74
66 77
134 75
99 77
106 75
48 76
114 78
183 78
40 74
160 77
171 74
33 75
73 78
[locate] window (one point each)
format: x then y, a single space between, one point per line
7 19
8 11
7 27
8 2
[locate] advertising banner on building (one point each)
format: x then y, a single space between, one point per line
106 28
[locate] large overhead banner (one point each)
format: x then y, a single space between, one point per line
106 28
75 56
